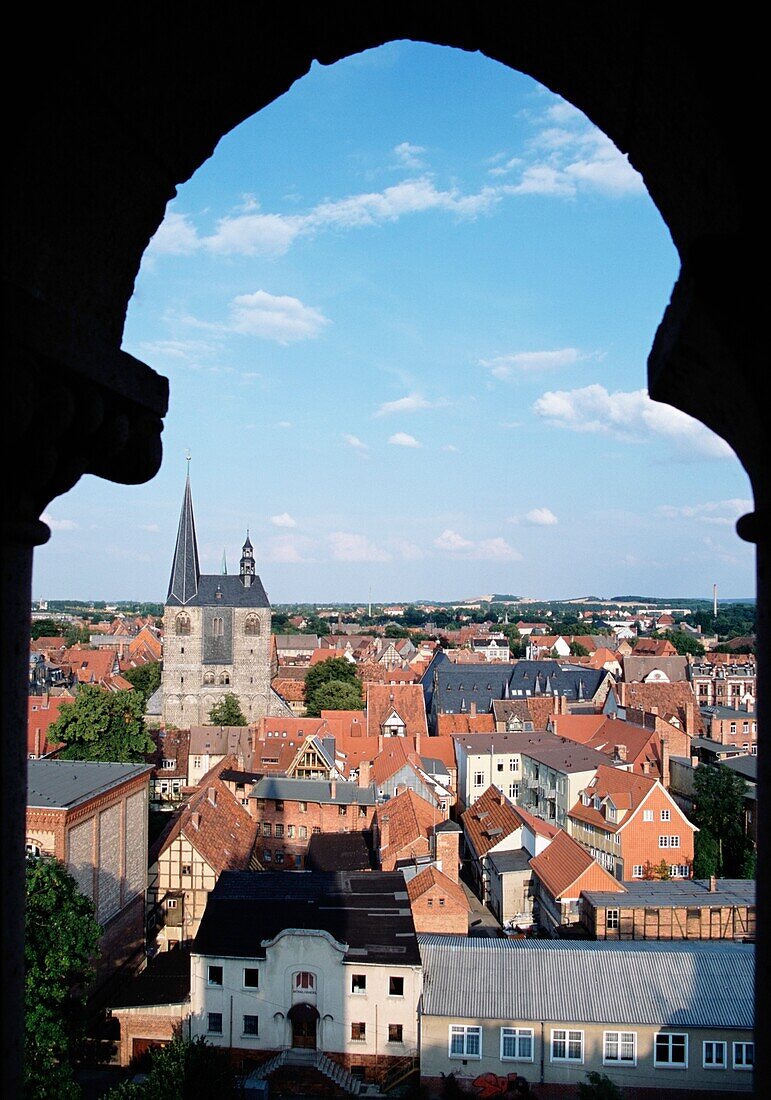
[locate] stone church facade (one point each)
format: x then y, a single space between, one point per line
216 636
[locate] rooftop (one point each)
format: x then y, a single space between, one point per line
63 784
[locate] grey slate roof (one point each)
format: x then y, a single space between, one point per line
731 713
706 985
369 912
233 593
313 790
637 668
185 570
516 860
62 784
676 892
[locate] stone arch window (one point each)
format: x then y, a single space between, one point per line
208 678
224 677
182 623
252 625
218 626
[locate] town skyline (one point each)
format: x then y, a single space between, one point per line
405 311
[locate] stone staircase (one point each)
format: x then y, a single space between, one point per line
304 1060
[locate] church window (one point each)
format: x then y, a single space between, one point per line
218 626
182 624
252 625
224 677
208 678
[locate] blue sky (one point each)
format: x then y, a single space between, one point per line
405 311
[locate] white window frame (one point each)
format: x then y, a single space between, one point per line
715 1045
361 991
613 919
464 1032
210 981
638 870
669 1036
518 1034
479 779
298 985
647 815
569 1034
665 815
619 1037
742 1049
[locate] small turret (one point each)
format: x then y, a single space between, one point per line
247 563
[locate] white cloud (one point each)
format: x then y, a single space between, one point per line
283 520
175 236
484 550
413 402
58 524
409 156
542 517
350 547
284 424
355 442
275 317
718 512
286 550
254 235
408 551
629 416
449 447
524 362
403 439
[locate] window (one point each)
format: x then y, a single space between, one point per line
171 903
663 842
302 807
714 1055
316 830
395 986
251 977
304 980
395 1033
358 983
637 870
251 1025
214 1025
671 1049
674 842
358 1032
513 763
465 1042
279 830
744 1055
612 918
567 1046
168 765
182 624
280 805
186 869
665 815
214 976
342 811
500 765
620 1048
680 870
252 625
266 828
302 832
513 790
290 831
647 815
479 779
267 855
363 810
279 857
516 1044
218 626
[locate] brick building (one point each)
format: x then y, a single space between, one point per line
92 817
288 812
438 903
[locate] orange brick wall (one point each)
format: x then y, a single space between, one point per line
325 818
640 839
431 916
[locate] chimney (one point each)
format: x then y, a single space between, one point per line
690 721
665 777
694 761
447 852
365 769
712 884
333 789
385 832
473 710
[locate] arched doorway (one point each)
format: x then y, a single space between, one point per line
304 1019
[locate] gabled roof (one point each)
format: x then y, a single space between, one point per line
565 869
410 818
42 711
490 820
222 832
406 699
668 699
638 668
431 879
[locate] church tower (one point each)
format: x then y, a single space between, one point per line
216 635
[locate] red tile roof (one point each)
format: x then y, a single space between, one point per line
410 819
42 711
432 879
667 699
492 813
565 869
407 700
465 723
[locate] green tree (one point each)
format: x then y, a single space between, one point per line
227 712
578 650
146 679
598 1086
334 668
61 939
685 643
103 725
719 797
706 854
47 628
184 1069
335 695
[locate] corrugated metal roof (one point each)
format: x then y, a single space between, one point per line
683 984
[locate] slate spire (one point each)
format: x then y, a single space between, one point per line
185 570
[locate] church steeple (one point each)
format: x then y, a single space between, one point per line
247 563
185 570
